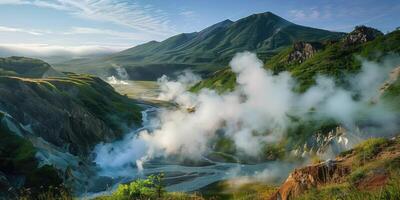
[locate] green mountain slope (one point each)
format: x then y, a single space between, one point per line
207 50
334 59
77 111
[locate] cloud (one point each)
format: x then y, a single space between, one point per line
310 14
129 14
118 34
46 50
20 30
188 13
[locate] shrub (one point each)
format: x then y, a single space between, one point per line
149 188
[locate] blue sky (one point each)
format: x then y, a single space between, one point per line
93 25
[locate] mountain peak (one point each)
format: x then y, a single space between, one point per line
208 30
265 17
266 14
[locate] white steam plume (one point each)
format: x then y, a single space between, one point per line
256 112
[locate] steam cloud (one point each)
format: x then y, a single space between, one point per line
255 113
261 103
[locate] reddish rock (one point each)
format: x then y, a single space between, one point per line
309 177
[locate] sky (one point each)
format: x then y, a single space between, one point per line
84 26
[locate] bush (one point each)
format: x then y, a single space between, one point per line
150 188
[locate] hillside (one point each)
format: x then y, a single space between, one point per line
335 59
204 51
26 67
49 126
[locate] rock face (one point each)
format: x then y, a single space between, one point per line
308 177
361 34
303 51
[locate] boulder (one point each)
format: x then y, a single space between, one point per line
361 34
303 51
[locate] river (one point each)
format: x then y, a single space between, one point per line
178 176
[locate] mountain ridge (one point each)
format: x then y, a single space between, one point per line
204 51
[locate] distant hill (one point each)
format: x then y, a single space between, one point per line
26 67
207 50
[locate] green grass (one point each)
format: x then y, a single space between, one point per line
221 81
237 189
369 148
346 192
357 175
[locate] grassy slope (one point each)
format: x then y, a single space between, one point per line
334 60
25 67
101 99
91 92
369 160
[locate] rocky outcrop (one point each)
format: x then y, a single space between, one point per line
303 51
361 34
309 177
393 77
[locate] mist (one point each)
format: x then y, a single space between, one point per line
257 112
56 53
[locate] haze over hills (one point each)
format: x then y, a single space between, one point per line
204 51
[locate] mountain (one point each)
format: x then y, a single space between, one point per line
304 60
207 50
